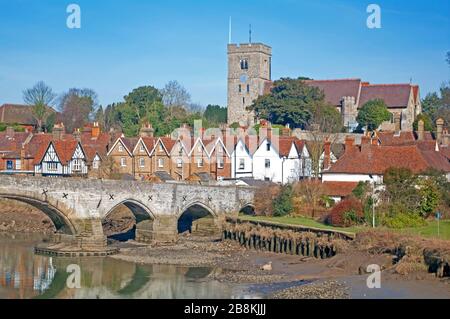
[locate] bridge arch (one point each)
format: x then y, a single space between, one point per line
247 209
144 218
196 217
58 215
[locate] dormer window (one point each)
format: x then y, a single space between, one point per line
268 147
244 64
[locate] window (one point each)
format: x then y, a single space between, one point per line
244 64
120 148
76 165
220 150
179 163
52 167
142 162
141 149
95 164
242 164
160 162
268 147
199 148
18 165
123 162
220 163
240 88
200 162
9 165
160 147
267 163
243 100
248 88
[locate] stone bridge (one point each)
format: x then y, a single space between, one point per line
78 206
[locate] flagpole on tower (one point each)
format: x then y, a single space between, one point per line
229 32
250 34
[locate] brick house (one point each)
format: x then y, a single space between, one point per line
121 154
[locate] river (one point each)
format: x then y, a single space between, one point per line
25 275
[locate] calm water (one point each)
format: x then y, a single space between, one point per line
26 275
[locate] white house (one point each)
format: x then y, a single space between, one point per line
61 158
242 159
279 160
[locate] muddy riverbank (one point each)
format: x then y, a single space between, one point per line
293 276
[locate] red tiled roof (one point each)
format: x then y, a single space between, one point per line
390 138
394 95
169 143
10 145
17 113
341 189
377 159
335 90
63 148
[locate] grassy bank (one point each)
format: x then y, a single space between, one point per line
430 230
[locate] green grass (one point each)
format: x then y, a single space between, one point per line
430 230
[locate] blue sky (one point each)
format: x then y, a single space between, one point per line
124 44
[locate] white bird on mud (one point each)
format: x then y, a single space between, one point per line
267 267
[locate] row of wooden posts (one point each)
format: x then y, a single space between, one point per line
306 244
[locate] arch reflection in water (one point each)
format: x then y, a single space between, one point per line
25 275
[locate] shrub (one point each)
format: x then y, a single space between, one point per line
283 205
264 198
346 213
404 220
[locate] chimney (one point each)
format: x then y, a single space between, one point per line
77 135
420 130
286 131
269 131
365 141
58 131
439 129
96 130
397 122
327 155
10 131
349 142
146 130
445 137
223 130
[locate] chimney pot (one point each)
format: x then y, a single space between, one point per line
420 130
439 129
349 142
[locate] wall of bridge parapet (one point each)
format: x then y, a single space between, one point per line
84 199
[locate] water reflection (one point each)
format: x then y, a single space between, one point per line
26 275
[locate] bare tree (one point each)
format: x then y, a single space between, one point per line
78 107
311 193
40 97
174 94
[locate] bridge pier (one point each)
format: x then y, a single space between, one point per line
163 229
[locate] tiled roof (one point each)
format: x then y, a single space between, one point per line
335 90
169 143
394 95
341 189
17 113
64 149
377 159
10 145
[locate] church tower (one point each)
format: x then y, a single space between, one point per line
249 69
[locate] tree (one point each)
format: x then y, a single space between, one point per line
215 114
428 123
372 114
328 118
100 116
429 197
401 188
50 122
40 97
174 94
430 104
78 107
291 101
310 192
282 204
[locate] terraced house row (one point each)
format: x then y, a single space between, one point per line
207 157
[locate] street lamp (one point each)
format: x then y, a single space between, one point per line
373 200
